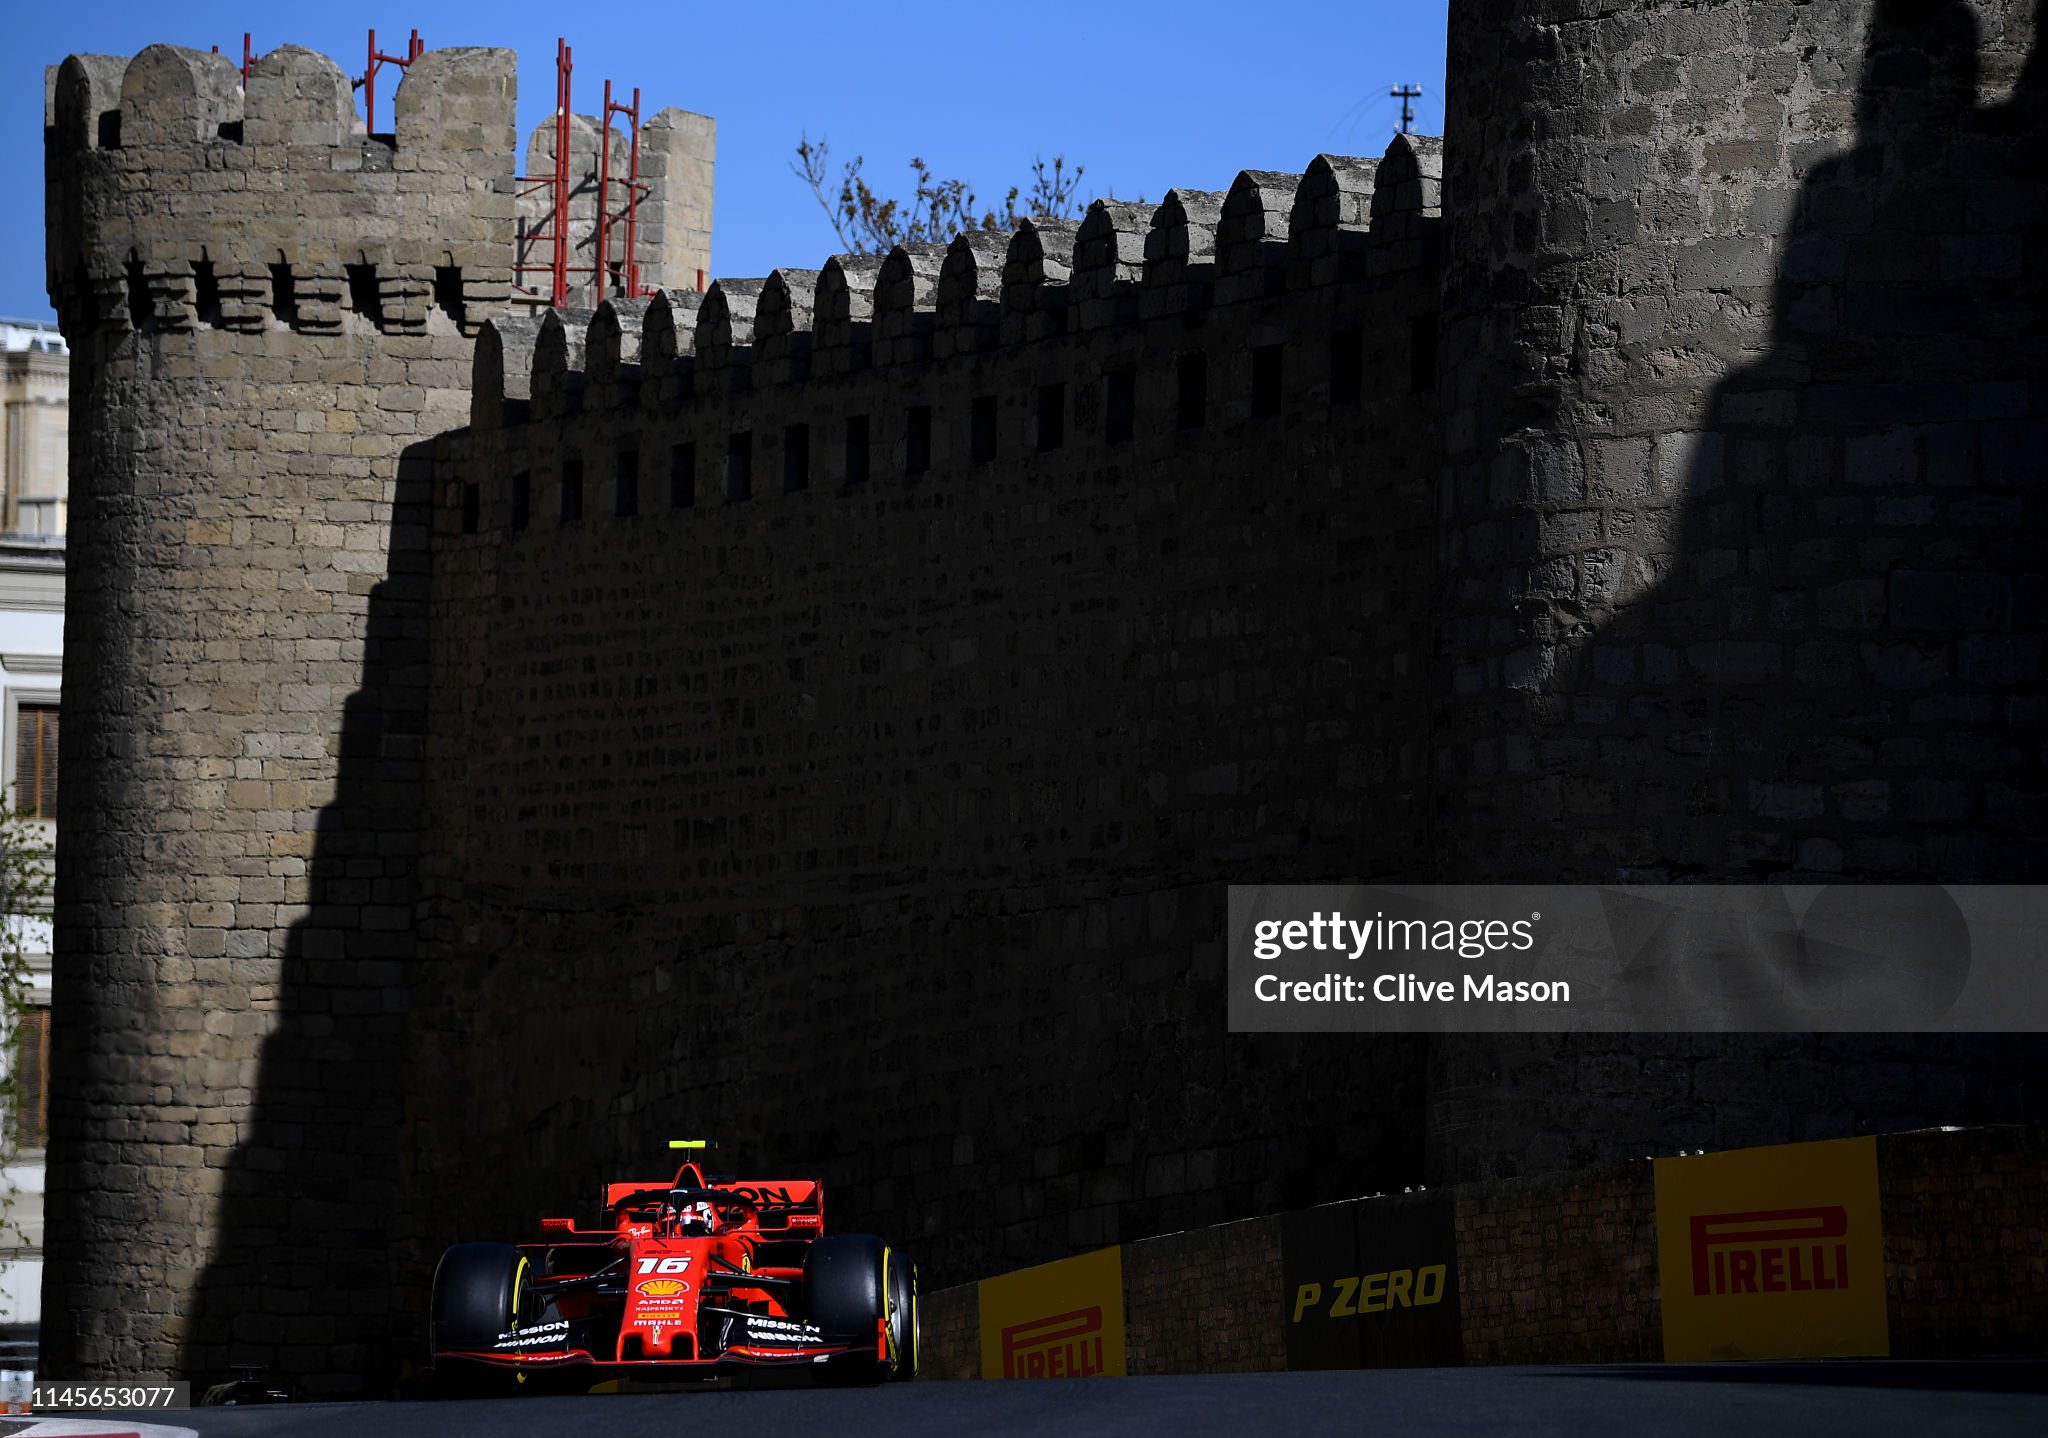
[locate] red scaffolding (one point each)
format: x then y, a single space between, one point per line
629 271
555 228
414 48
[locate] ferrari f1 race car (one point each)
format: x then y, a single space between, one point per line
687 1275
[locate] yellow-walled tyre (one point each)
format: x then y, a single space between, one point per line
906 1336
479 1289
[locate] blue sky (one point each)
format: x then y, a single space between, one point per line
1145 95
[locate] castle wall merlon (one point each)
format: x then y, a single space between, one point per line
174 96
502 375
1109 261
612 352
1407 201
584 150
456 109
845 306
298 97
667 340
970 303
1180 252
1035 274
678 155
782 326
1330 226
1251 235
725 336
558 363
906 303
82 101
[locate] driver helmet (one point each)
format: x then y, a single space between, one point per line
696 1218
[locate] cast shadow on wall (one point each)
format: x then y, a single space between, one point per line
307 1255
1830 668
1844 657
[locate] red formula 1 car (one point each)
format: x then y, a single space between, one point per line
688 1275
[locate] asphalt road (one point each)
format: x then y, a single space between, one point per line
1854 1399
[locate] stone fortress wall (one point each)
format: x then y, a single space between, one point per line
826 711
902 657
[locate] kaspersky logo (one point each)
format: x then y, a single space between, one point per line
1772 1250
1066 1345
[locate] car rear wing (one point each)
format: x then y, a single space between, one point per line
796 1203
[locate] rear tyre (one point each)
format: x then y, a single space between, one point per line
479 1290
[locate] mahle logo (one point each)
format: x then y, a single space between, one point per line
1772 1250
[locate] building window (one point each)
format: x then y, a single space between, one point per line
35 761
31 1066
522 499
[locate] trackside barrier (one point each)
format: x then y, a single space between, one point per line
1931 1244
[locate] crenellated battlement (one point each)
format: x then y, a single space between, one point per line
1340 222
180 201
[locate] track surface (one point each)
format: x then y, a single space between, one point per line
1854 1399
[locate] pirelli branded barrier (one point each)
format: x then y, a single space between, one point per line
1772 1253
1371 1283
1059 1320
1915 1245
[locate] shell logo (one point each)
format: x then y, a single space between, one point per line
663 1287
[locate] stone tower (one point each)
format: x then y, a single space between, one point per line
1740 551
268 311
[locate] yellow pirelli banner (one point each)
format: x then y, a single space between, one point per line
1059 1320
1772 1253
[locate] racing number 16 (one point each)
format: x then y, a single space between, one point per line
665 1265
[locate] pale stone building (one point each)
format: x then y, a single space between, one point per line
34 440
35 370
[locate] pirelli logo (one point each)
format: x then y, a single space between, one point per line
1066 1345
1772 1253
1058 1320
1773 1250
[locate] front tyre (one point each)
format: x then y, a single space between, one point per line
906 1336
862 1293
479 1291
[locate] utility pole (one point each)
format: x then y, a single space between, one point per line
1405 93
